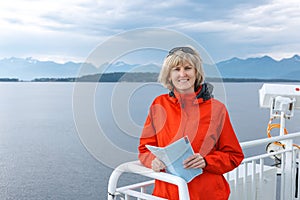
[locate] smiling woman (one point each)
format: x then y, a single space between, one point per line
183 67
183 77
189 110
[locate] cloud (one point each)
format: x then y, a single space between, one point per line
72 28
46 29
269 28
272 26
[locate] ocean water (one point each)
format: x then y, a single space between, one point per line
47 146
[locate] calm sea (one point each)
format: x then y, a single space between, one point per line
44 153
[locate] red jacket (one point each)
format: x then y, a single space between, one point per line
206 122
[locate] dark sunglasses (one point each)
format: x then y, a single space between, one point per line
184 49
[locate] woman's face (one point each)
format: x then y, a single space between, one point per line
183 77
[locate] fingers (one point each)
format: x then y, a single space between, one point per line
194 161
157 165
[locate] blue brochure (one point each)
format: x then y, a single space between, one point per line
173 156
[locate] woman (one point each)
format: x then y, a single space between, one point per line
190 110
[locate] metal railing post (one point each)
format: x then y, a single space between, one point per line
286 174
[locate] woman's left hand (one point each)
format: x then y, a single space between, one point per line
194 161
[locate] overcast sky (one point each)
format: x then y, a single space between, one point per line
68 30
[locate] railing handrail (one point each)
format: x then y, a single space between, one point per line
137 168
252 143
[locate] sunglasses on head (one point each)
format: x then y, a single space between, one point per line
183 49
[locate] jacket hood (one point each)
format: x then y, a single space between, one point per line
205 92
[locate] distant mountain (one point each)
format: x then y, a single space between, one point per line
121 66
29 69
251 68
261 68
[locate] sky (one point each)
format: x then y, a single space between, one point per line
69 30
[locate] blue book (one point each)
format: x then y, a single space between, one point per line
173 156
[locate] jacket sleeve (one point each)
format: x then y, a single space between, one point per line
226 153
148 137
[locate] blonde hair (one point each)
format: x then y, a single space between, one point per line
176 58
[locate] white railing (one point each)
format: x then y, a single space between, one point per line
253 179
136 168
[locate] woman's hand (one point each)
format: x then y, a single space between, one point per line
157 165
194 161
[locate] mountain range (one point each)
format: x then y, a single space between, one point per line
251 68
261 68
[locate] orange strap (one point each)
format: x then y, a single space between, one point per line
272 126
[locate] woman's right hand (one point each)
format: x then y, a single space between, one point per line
157 165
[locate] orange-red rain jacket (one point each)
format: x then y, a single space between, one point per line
206 122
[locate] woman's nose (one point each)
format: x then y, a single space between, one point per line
182 72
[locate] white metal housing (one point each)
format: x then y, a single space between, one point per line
271 91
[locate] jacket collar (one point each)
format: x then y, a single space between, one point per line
203 93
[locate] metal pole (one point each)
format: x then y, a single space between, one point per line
282 123
287 173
